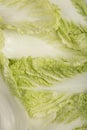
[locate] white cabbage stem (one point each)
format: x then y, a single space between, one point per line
12 113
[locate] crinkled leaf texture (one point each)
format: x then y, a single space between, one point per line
43 62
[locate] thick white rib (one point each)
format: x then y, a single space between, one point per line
76 84
12 113
17 46
69 12
13 14
45 124
69 126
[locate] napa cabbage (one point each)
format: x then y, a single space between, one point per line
43 63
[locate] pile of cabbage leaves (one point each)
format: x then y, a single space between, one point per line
43 65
